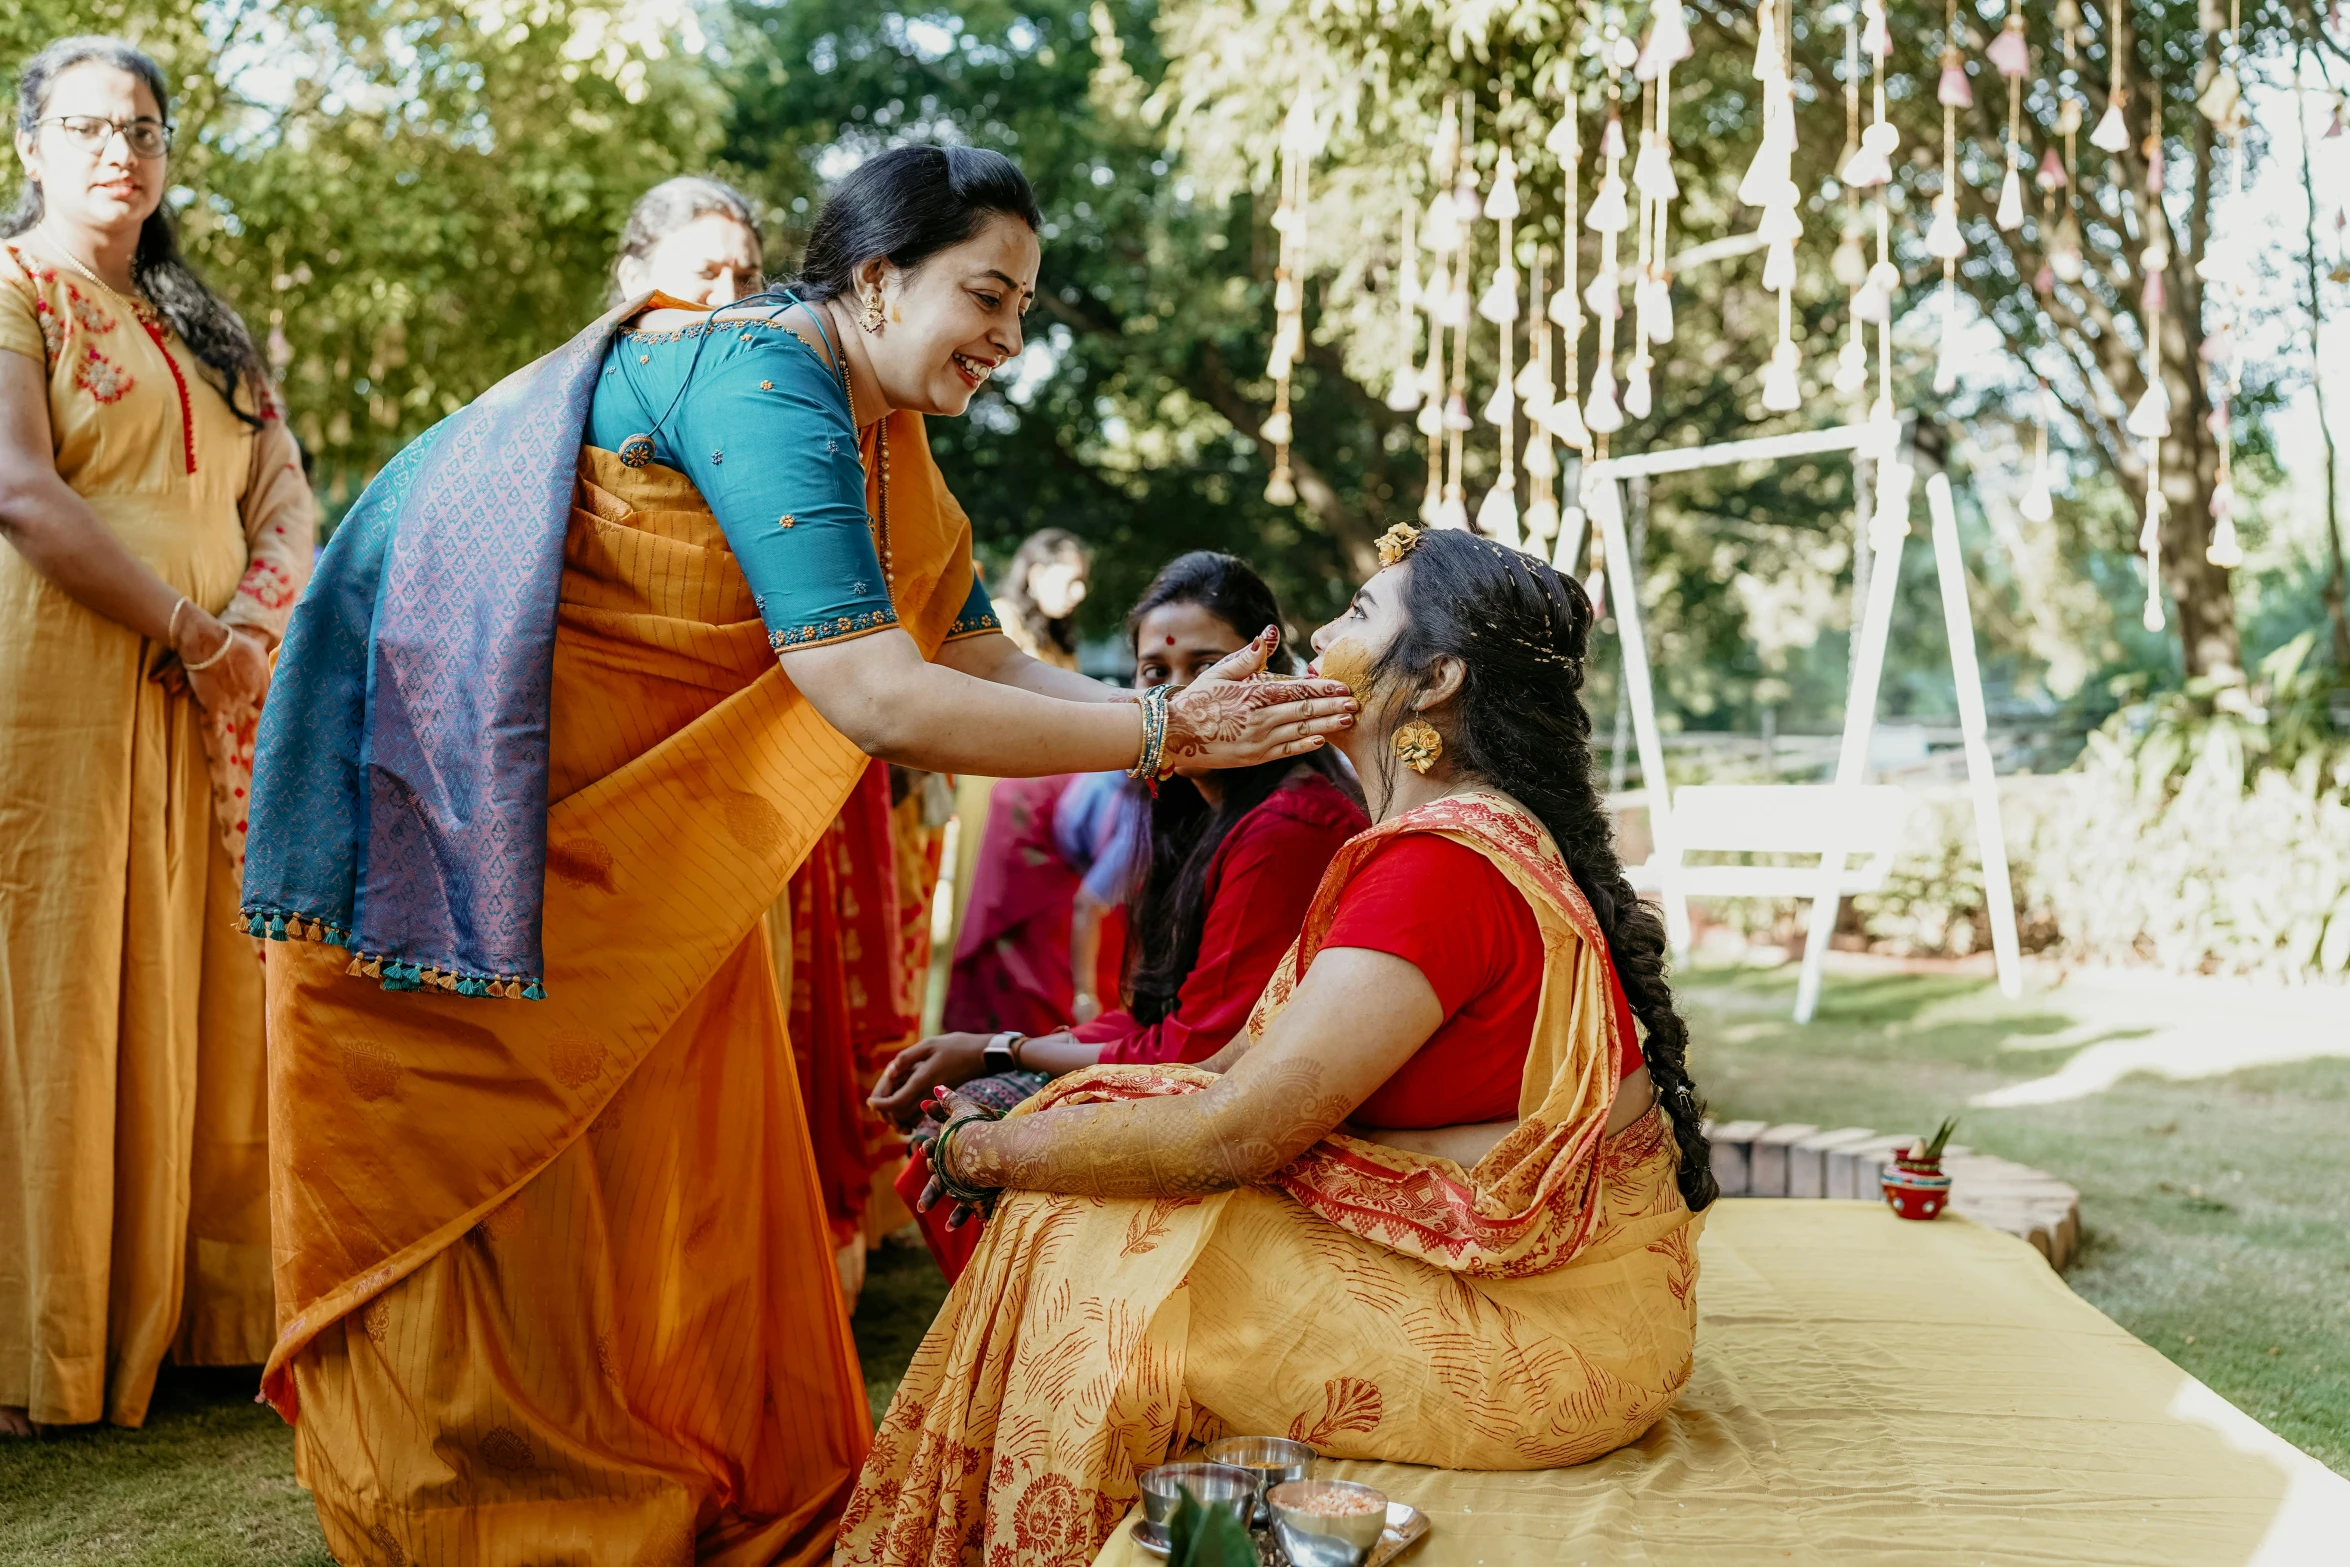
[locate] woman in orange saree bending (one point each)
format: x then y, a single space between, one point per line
1352 1226
585 674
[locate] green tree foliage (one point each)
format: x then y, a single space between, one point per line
407 199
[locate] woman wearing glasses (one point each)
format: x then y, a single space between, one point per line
159 530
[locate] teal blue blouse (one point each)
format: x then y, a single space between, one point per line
765 435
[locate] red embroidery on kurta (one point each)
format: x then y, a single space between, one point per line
102 378
187 413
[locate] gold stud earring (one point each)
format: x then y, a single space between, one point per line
873 307
1418 745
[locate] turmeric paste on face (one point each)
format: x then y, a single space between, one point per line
1348 662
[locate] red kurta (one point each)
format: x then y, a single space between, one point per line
1259 885
1262 877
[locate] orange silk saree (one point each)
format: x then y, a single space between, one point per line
554 1278
1536 1310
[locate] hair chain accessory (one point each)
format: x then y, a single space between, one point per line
1418 745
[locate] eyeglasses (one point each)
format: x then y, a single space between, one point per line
91 132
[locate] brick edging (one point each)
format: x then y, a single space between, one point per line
1759 1159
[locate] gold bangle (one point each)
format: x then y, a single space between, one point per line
171 627
227 637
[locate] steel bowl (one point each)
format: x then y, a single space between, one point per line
1272 1459
1327 1523
1211 1485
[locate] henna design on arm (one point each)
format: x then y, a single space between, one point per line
1222 1137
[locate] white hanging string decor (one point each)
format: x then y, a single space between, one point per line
2226 276
1534 388
1441 234
2039 504
1564 417
2010 54
2150 419
1453 511
1609 217
1289 221
1850 265
1770 185
1944 241
1872 169
1403 393
1497 514
2064 233
2112 134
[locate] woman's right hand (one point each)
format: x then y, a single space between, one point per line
922 1068
239 680
1234 716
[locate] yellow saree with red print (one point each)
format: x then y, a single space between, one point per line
1536 1310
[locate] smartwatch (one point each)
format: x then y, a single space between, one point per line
998 1055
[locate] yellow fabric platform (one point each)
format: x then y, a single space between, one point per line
1873 1391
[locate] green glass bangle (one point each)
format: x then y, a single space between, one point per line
968 1196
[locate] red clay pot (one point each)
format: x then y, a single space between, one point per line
1914 1194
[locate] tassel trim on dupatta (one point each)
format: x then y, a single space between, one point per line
390 972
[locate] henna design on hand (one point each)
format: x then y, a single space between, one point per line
1182 1145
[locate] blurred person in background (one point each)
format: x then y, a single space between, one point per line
159 530
693 238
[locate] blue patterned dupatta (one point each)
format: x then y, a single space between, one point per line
399 803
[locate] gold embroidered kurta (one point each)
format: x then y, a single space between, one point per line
133 1141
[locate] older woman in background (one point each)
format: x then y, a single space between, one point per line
693 238
159 530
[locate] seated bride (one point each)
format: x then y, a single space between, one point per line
1437 1204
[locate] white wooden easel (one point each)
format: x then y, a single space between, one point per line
1885 533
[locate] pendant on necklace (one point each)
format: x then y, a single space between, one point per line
636 451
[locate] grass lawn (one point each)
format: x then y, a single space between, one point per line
2215 1216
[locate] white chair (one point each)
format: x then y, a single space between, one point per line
1845 835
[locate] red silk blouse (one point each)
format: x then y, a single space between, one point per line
1449 912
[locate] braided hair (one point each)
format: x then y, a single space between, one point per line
1521 630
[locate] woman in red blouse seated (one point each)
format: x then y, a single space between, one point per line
1229 862
1436 1204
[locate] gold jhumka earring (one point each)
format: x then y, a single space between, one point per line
1418 745
873 308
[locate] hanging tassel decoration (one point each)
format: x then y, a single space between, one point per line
1403 393
1289 221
